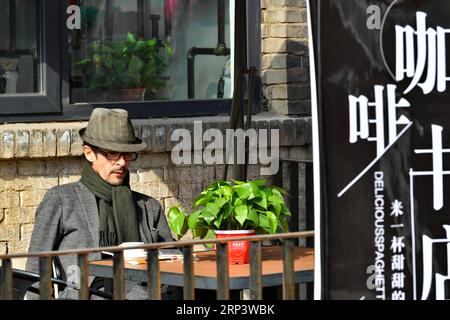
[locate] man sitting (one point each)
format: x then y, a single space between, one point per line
100 210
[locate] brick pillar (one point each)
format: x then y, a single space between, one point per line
284 57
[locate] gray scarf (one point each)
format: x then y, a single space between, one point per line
117 211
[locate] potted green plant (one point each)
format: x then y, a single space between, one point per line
131 69
252 207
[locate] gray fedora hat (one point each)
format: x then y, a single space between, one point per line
111 129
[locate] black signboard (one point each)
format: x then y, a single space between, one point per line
382 151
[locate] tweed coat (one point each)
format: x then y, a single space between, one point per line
68 218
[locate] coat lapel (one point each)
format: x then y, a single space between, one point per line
90 211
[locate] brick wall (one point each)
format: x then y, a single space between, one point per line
284 56
36 157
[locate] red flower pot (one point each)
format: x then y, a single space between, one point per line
132 94
238 251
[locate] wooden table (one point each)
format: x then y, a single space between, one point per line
205 271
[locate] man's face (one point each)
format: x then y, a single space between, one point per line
112 171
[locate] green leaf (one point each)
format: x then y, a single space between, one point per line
227 191
152 42
212 208
264 223
131 38
177 221
267 191
140 45
202 199
241 214
283 226
207 215
261 200
168 48
119 66
279 190
199 232
273 222
193 219
243 190
285 210
275 199
209 235
276 207
219 220
253 217
135 65
259 182
220 202
227 209
83 62
255 190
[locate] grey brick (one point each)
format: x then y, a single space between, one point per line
49 140
274 45
63 142
288 3
137 130
298 75
297 46
287 132
22 143
289 30
8 169
159 142
289 15
265 30
31 167
36 146
290 107
7 144
305 61
154 160
263 3
294 92
274 76
76 147
147 136
303 133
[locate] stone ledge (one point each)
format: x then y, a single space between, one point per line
54 140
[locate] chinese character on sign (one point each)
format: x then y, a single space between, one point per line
397 262
438 171
398 280
397 244
359 117
440 279
430 55
398 295
397 208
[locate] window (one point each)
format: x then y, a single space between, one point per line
18 47
152 57
150 50
29 67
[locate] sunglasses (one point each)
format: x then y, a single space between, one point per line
115 156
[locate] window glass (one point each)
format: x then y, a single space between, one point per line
19 62
134 50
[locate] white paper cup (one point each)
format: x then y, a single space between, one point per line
132 254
